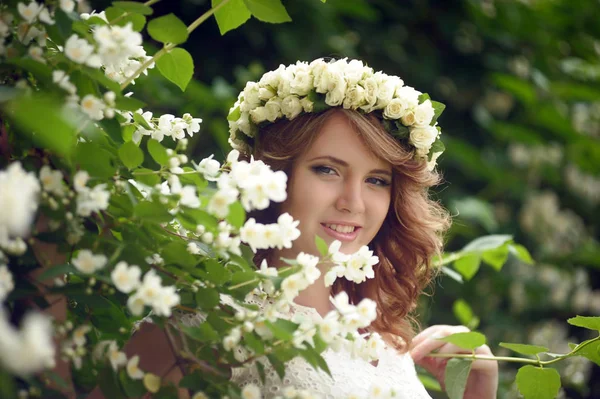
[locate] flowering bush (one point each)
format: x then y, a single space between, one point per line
107 225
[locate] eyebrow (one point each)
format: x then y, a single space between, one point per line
345 164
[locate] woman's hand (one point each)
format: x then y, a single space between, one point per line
483 378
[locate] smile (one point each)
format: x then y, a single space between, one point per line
342 232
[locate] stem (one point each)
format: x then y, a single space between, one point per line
170 46
234 287
537 361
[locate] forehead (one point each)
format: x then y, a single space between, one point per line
339 139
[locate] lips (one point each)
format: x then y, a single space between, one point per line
342 232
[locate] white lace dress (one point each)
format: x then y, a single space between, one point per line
352 377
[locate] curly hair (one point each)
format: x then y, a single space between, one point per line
411 234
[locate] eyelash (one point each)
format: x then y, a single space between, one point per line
324 170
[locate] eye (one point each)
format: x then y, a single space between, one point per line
324 170
378 181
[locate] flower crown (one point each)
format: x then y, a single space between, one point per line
407 114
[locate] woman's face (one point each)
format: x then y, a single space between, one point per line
338 190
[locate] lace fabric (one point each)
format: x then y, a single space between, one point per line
351 377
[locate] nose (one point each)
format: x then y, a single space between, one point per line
350 198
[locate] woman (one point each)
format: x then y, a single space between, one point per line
359 149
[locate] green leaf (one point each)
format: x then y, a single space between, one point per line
475 209
496 257
129 104
231 15
109 383
112 127
50 128
452 274
133 6
592 323
278 365
321 246
466 340
254 343
282 329
237 215
152 212
137 21
438 108
537 383
131 155
146 176
55 271
177 66
157 152
455 379
176 253
168 29
245 282
261 371
468 265
207 298
216 272
132 388
97 161
268 10
590 351
521 253
487 242
464 314
524 349
234 115
203 333
521 89
140 119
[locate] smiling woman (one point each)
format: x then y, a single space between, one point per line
350 180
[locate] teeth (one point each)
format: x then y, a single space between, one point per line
341 228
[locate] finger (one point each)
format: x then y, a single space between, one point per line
428 332
432 342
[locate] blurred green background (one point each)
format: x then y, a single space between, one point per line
521 81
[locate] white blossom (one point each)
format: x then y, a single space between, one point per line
115 356
209 168
28 350
6 282
251 391
80 51
88 263
92 200
67 5
93 107
79 334
52 180
30 12
126 278
19 193
133 371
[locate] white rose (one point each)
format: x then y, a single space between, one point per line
265 93
243 124
307 105
291 107
386 88
409 95
395 109
353 70
302 83
371 93
273 109
258 115
355 97
251 99
270 79
285 81
335 98
423 137
408 119
317 68
424 113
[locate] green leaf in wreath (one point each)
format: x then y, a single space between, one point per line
455 379
538 383
231 15
524 349
177 66
131 155
592 323
168 29
268 10
466 340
